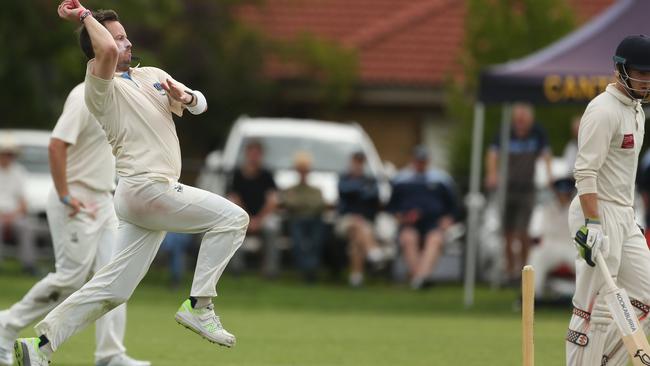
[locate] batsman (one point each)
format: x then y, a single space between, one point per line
602 215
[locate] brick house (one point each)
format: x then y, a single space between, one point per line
406 49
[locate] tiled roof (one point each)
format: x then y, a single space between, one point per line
405 42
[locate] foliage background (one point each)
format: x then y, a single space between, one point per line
513 29
198 42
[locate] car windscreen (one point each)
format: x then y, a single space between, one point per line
327 155
34 158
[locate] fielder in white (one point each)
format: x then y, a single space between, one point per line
609 141
550 223
83 225
134 107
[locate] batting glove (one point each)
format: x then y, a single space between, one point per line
591 242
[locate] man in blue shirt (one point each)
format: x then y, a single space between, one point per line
358 205
425 206
528 142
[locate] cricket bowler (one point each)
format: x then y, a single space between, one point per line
134 106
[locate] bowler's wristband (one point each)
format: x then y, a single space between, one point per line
191 100
201 104
85 13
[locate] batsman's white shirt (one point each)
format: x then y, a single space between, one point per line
135 112
90 161
609 141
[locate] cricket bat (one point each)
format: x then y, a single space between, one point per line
618 301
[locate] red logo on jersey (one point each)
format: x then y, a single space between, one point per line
628 141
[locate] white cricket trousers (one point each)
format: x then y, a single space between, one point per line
82 245
147 208
629 263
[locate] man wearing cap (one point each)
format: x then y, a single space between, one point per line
425 206
602 216
357 207
527 143
13 204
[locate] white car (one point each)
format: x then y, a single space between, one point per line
330 144
33 156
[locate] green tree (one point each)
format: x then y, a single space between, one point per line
39 61
330 68
498 31
200 43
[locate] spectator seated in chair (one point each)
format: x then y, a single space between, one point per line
305 206
357 207
252 188
14 220
425 206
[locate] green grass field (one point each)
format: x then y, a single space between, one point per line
288 323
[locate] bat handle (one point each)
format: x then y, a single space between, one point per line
609 281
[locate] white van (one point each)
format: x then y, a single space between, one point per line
33 156
330 144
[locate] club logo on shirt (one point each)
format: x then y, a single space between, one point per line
158 86
628 141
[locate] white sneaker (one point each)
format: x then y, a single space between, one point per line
375 255
355 280
205 323
28 353
122 360
417 283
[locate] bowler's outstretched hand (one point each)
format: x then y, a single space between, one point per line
70 10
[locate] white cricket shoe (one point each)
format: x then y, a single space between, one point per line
28 353
122 360
205 323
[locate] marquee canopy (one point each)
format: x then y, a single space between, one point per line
572 70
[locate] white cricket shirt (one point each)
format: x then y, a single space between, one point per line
135 112
609 141
90 161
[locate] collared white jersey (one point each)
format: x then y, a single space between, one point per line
136 114
89 158
609 141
